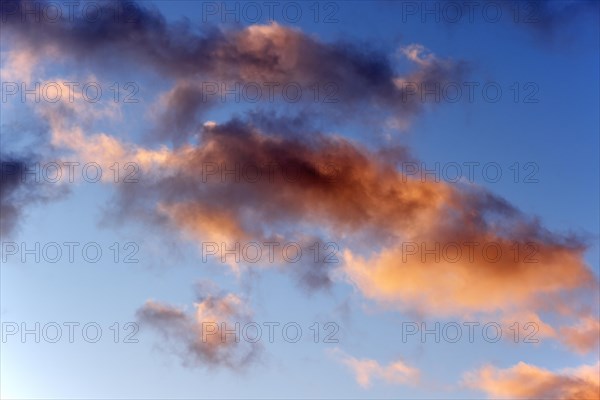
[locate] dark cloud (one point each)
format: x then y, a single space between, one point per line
10 182
21 186
333 80
179 112
550 18
112 30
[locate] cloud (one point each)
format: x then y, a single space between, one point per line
372 210
266 178
199 337
524 381
22 185
10 183
19 65
583 337
459 288
207 62
367 370
549 20
178 111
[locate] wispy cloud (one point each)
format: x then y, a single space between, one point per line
367 370
189 335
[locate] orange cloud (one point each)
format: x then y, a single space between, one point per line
448 288
367 370
389 222
583 337
524 381
508 263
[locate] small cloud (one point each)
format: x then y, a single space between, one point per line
197 337
367 370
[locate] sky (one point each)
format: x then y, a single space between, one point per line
353 199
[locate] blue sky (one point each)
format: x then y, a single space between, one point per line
370 134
